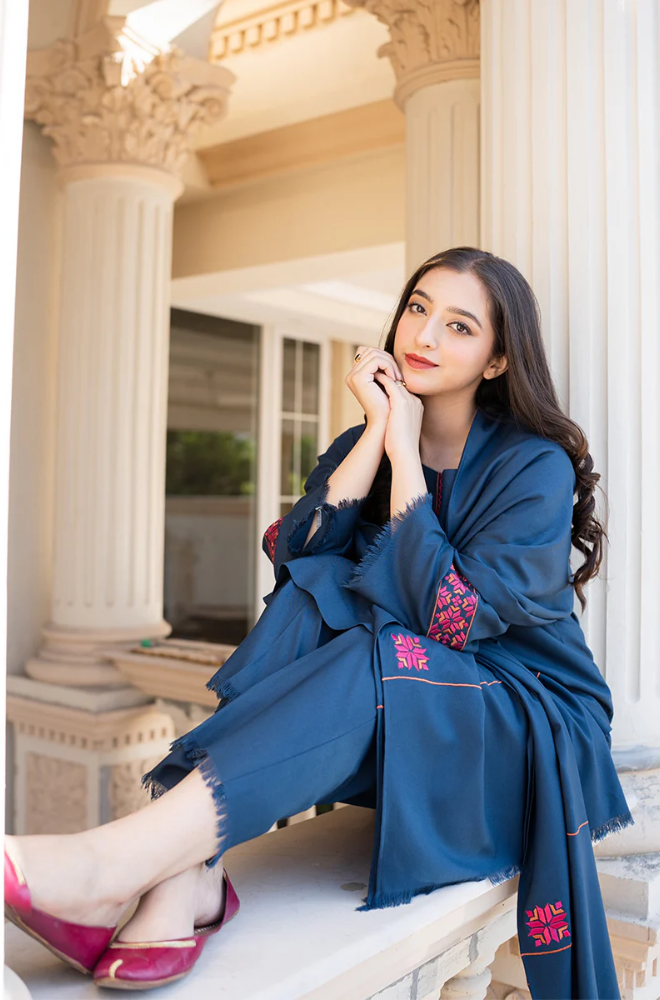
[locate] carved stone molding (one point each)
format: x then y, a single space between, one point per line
275 23
126 792
74 768
431 40
111 97
56 800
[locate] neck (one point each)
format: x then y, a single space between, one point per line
445 427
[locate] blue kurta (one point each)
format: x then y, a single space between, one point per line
493 722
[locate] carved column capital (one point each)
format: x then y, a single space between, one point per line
110 97
432 41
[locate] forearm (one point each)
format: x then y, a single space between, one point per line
353 478
408 481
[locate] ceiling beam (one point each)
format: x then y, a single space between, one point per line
316 142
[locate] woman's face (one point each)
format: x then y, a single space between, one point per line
446 322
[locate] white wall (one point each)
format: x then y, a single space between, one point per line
33 406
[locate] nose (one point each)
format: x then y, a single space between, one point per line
426 338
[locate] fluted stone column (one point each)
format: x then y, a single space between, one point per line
120 126
120 113
571 130
434 50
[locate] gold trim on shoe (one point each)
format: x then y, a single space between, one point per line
141 945
113 968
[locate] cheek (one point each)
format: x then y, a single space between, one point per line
405 331
465 354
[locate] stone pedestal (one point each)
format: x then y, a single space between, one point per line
79 754
631 894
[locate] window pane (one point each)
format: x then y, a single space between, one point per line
289 376
287 482
308 448
310 377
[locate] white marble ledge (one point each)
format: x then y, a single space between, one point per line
298 933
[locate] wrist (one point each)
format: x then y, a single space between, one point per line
376 432
406 460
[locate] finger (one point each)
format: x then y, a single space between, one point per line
398 374
387 383
384 362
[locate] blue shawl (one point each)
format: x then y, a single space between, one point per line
484 600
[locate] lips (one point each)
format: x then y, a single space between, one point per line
418 363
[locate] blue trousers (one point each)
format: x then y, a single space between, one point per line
300 727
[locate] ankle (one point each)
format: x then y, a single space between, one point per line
211 894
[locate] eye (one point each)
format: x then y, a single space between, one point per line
412 307
466 331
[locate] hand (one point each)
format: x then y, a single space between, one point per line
404 425
361 380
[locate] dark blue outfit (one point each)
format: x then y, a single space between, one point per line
433 668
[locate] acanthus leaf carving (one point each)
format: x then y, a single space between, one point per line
119 107
427 33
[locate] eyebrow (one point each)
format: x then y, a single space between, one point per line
453 309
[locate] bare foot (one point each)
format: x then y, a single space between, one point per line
67 880
173 908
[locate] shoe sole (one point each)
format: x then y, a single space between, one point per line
132 984
13 917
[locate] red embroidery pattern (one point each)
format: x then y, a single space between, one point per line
438 493
548 923
409 652
270 534
454 611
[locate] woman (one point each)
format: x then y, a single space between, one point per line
419 654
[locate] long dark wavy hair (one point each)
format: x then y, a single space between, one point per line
524 392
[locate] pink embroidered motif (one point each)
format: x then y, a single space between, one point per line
270 534
548 923
409 652
454 611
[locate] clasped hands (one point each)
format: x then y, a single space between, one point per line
375 381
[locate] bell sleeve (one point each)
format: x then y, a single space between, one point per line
285 538
509 566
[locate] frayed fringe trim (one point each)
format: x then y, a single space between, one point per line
504 874
381 900
153 787
225 690
212 781
384 537
217 789
612 826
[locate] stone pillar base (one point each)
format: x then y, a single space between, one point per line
79 754
631 894
79 656
639 773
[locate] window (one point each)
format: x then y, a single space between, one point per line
210 510
299 417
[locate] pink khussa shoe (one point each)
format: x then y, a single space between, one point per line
76 944
143 965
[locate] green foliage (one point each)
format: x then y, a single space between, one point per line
209 463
